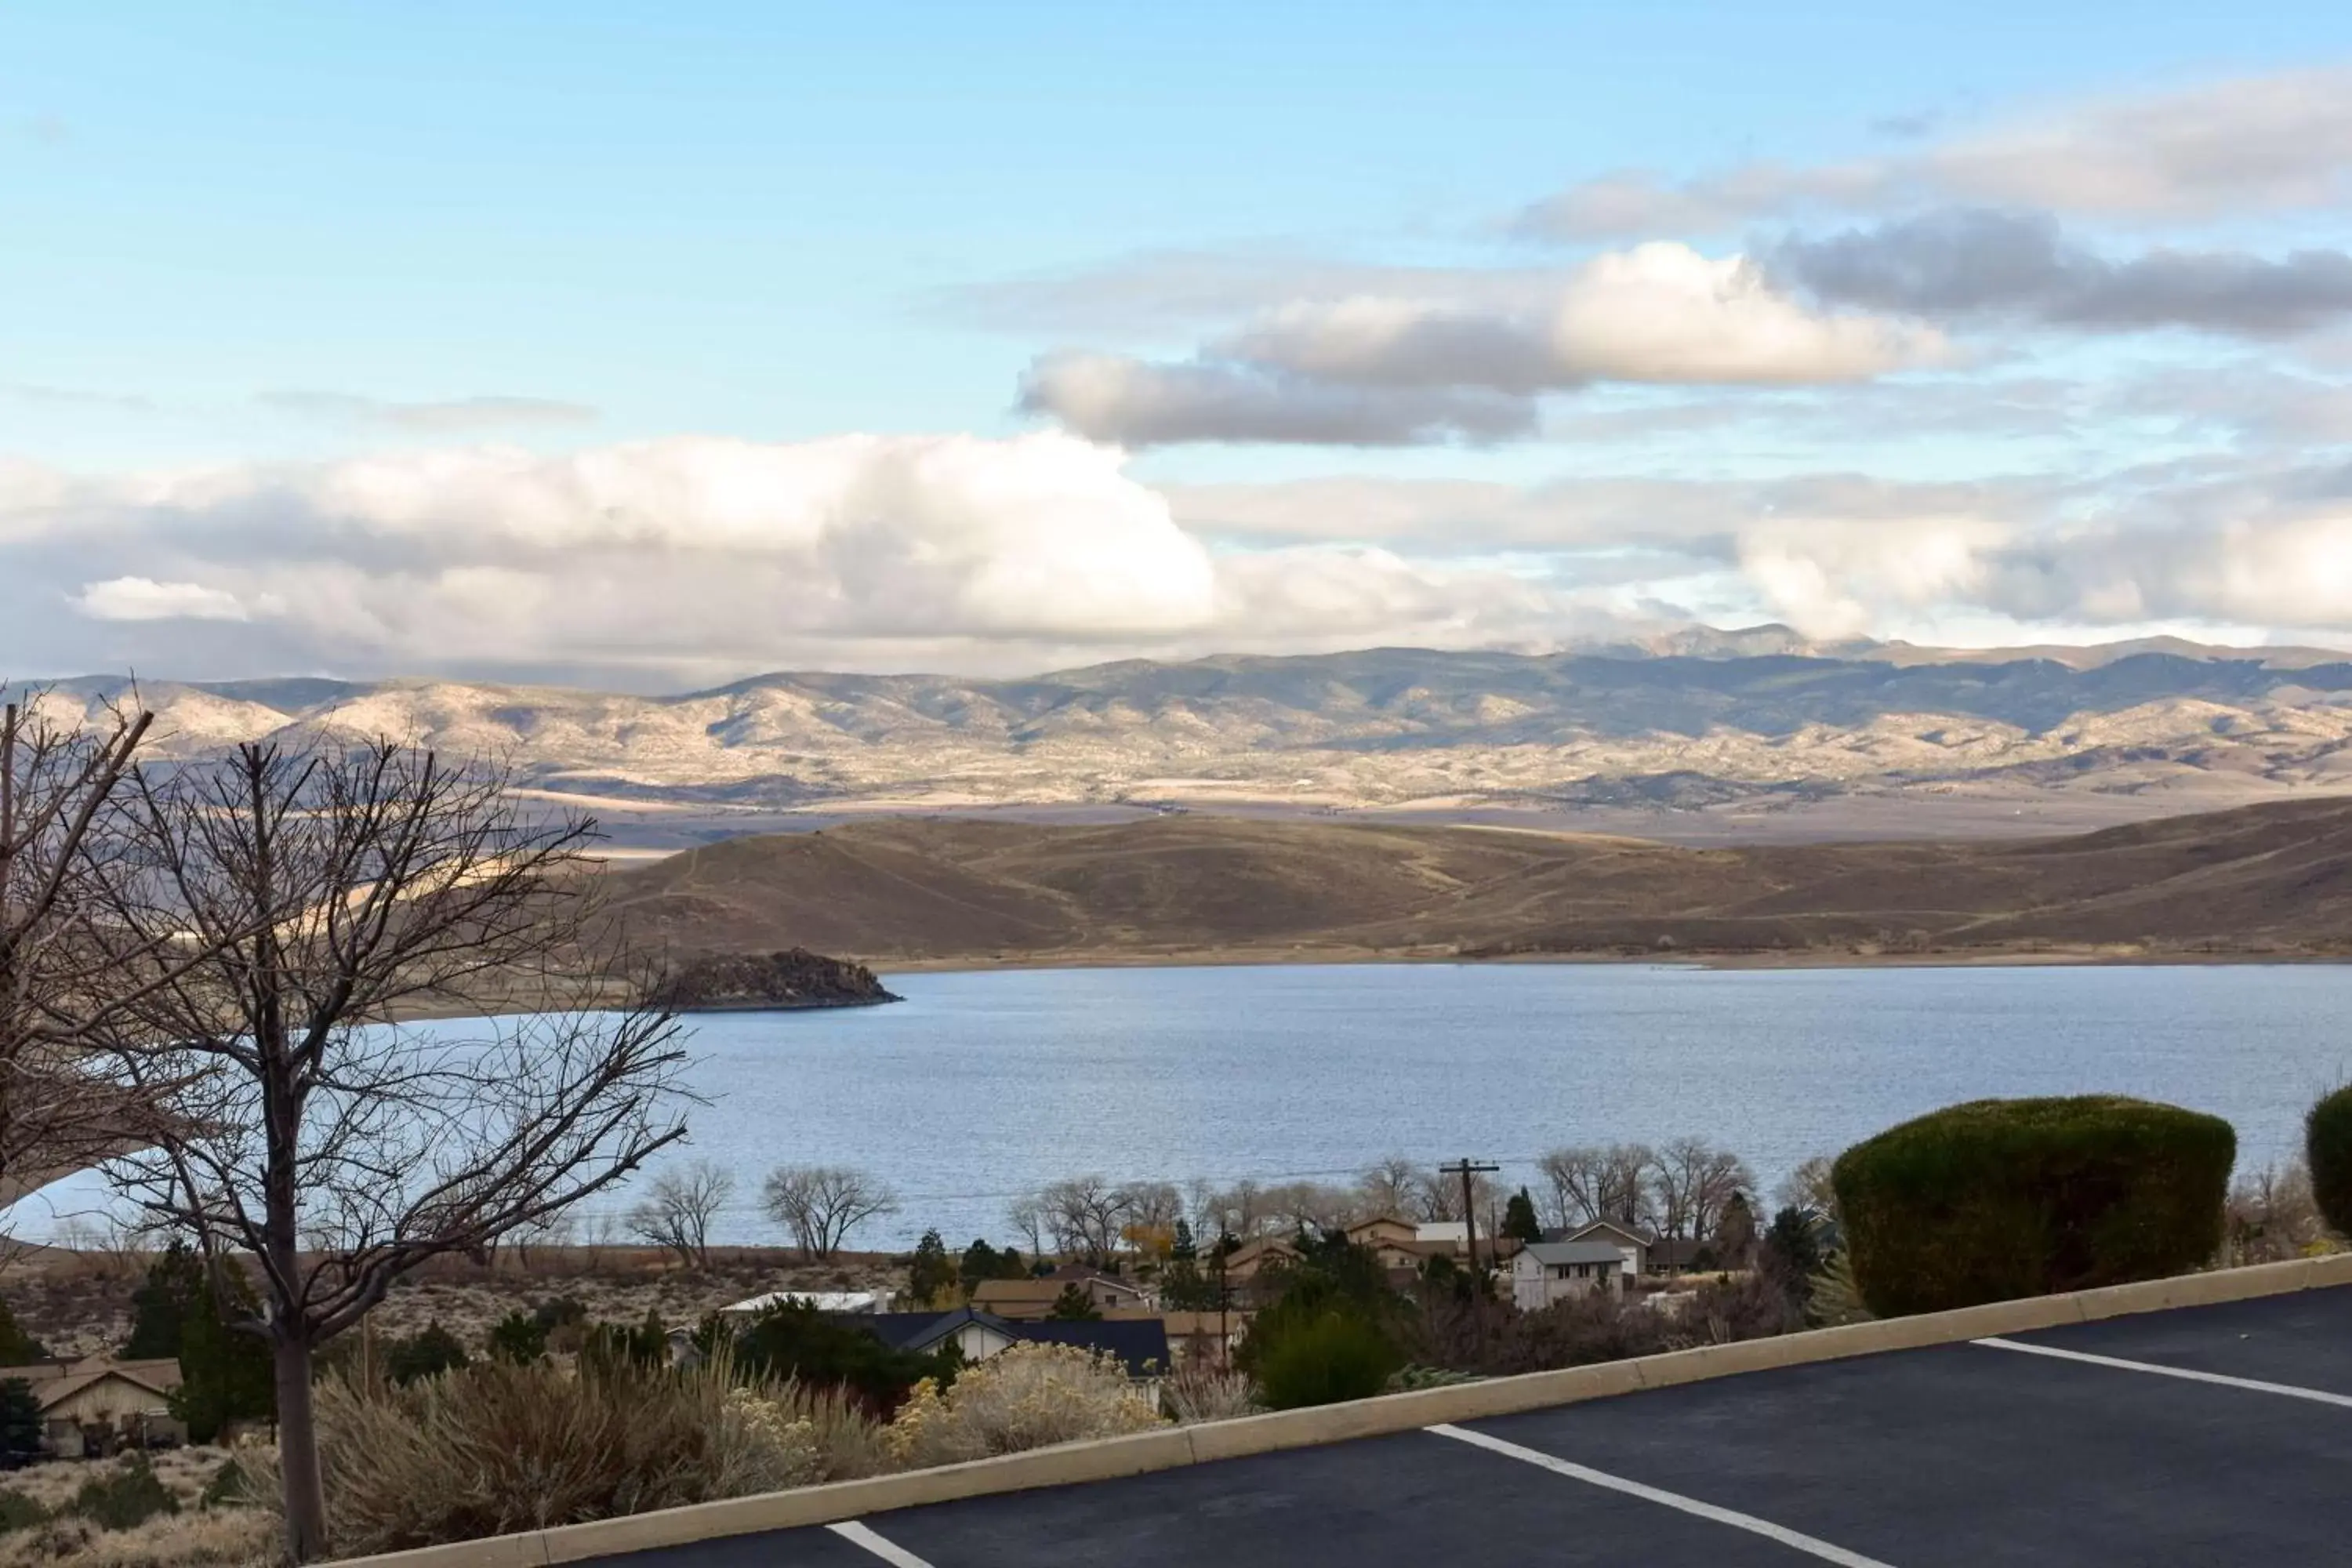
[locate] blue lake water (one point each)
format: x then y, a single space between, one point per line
982 1086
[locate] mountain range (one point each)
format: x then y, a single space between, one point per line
1755 733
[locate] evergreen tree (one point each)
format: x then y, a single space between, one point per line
1182 1249
20 1420
1520 1217
17 1348
1074 1306
225 1373
426 1354
518 1338
160 1307
931 1273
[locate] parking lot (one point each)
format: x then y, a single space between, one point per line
2211 1435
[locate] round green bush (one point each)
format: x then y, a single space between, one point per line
2327 1146
1336 1356
2004 1198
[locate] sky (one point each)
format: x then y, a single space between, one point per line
653 345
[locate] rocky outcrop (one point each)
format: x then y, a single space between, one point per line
753 982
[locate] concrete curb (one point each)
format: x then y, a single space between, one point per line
1169 1449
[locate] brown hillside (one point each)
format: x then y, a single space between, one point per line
2264 878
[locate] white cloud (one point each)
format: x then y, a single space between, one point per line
687 559
144 599
1374 369
2281 143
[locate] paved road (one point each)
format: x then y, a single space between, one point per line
1952 1457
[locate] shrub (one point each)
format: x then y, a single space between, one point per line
1336 1356
518 1338
431 1352
125 1495
1999 1199
1028 1396
18 1511
2327 1146
494 1448
228 1487
798 1342
1200 1390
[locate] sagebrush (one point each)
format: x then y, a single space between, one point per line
1028 1396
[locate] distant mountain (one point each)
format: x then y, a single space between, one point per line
1698 721
2262 880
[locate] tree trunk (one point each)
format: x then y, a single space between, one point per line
297 1454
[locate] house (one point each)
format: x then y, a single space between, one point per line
1635 1244
1214 1335
1244 1261
1548 1272
977 1334
85 1404
1029 1301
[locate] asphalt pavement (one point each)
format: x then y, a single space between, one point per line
2211 1435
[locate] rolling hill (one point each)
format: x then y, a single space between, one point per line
2265 880
1700 734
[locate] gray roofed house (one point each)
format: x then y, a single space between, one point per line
1548 1272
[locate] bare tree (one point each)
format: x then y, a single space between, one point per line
1392 1187
1027 1219
58 987
1152 1206
821 1205
317 897
1693 1181
1593 1181
1808 1187
1082 1215
678 1210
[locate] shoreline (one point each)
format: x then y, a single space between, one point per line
1246 958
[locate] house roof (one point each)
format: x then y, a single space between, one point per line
158 1378
1085 1274
1140 1343
823 1301
1552 1254
920 1331
1019 1290
1590 1229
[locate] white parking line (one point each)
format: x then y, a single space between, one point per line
2316 1396
1750 1523
890 1551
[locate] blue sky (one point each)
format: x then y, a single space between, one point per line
411 289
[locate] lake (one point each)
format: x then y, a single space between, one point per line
982 1085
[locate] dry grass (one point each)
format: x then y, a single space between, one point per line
1200 1390
194 1538
495 1448
79 1304
217 1538
2271 1215
185 1471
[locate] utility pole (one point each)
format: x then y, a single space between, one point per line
1465 1168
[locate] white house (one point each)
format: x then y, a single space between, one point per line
1633 1244
1548 1272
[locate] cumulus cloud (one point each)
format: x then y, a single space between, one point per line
2266 144
675 560
1977 262
1373 369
